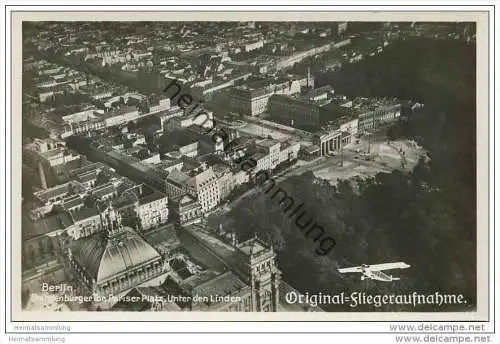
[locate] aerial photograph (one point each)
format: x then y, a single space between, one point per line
248 166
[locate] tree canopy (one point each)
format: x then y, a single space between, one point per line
426 218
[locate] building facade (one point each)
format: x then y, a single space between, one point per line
272 153
248 101
188 210
369 120
152 210
85 223
205 187
294 111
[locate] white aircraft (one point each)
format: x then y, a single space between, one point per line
375 271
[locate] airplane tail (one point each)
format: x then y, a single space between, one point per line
395 278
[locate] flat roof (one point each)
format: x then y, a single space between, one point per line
268 142
252 246
84 213
155 196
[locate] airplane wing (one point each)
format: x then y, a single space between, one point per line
388 266
353 269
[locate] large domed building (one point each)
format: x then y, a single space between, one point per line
115 259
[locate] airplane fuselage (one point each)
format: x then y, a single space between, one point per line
374 272
378 275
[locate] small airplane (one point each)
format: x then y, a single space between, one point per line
375 271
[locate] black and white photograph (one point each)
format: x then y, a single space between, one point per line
310 168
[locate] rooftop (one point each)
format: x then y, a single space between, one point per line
195 280
319 91
362 104
121 111
268 143
186 199
123 202
155 196
226 283
57 191
74 202
252 246
87 177
201 179
103 190
103 257
53 153
178 177
84 213
176 139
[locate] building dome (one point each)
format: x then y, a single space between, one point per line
104 256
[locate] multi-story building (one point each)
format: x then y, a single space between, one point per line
56 194
121 116
319 94
188 210
202 118
175 183
73 203
85 222
50 156
49 93
58 156
253 99
205 187
384 113
225 179
189 150
270 153
163 117
88 179
255 264
249 101
158 104
286 86
83 122
272 149
295 112
98 93
240 177
207 91
254 45
289 151
152 210
44 145
314 114
105 191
